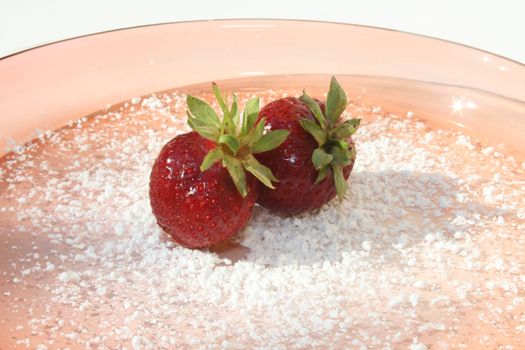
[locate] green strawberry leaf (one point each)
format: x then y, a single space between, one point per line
340 183
205 130
202 111
346 129
315 130
352 152
341 156
336 102
230 141
315 109
211 158
227 123
261 172
219 98
321 175
320 158
270 141
236 170
234 113
340 143
255 134
249 117
355 122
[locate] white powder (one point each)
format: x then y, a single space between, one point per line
68 276
418 346
414 299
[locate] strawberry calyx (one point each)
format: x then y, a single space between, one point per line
237 139
331 135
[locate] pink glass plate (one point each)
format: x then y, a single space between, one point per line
452 85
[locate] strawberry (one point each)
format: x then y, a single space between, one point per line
316 159
200 192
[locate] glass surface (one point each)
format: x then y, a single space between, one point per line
447 85
44 87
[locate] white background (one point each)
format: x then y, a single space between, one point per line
493 25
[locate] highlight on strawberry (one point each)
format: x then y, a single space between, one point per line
203 184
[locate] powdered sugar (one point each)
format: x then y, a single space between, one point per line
425 251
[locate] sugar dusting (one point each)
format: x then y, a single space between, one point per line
426 251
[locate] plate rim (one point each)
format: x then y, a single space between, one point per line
11 55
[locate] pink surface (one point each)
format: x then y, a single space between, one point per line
44 87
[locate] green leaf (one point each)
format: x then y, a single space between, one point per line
321 175
315 109
341 156
205 130
213 156
227 121
234 113
314 129
355 122
336 102
230 141
270 141
320 158
339 180
202 111
249 117
352 152
189 121
255 134
261 172
346 129
219 98
341 143
236 171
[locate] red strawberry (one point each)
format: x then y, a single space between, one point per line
198 200
314 162
198 209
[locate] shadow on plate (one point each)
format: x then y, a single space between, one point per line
391 210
